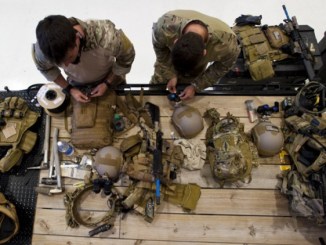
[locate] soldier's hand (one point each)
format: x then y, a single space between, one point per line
79 96
99 90
188 93
171 86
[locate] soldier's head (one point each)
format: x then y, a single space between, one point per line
58 40
187 52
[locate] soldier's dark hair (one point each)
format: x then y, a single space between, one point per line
55 36
187 52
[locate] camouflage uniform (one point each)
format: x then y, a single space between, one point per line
222 48
106 49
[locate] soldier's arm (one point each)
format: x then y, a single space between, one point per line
48 69
125 55
118 44
226 56
162 52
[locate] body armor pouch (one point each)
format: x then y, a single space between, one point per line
18 119
9 223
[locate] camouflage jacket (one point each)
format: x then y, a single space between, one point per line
222 47
106 49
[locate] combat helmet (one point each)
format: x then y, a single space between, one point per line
187 120
268 138
108 162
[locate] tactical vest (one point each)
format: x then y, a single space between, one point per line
261 48
229 152
92 122
16 118
9 223
306 153
305 184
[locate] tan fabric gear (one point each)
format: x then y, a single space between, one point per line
194 152
9 223
18 118
91 122
276 36
261 49
229 152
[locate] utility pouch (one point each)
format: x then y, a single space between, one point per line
84 114
276 36
261 69
185 195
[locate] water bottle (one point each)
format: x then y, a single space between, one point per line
65 148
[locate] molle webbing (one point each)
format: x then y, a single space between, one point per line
261 48
18 119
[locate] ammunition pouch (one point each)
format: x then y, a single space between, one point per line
18 118
9 223
261 47
229 152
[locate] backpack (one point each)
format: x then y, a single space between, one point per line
230 153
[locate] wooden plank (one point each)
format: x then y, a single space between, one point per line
52 222
72 240
212 201
215 228
193 228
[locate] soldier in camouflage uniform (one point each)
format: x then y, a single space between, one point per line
90 52
217 49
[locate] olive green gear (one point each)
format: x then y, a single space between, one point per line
9 223
229 152
18 119
295 142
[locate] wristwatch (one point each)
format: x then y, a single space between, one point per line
67 89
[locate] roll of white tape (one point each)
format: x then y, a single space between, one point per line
50 96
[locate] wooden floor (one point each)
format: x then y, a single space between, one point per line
254 213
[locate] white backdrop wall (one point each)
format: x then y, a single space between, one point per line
18 20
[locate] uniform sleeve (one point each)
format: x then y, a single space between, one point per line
226 56
48 70
118 45
160 39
